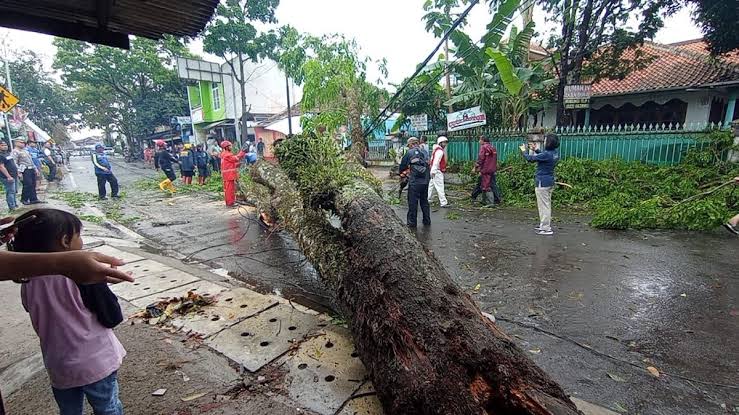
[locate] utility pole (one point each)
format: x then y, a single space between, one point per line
242 82
9 86
289 112
448 75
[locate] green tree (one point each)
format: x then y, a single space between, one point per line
42 97
423 95
336 89
233 36
127 91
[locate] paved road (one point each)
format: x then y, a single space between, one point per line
614 303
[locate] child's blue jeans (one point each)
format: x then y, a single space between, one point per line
102 396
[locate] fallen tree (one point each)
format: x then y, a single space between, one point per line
426 344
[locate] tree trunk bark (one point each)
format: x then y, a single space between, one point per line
427 346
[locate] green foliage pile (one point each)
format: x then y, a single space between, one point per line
623 195
319 169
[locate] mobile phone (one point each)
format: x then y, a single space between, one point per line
4 229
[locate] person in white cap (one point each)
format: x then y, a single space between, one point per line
438 167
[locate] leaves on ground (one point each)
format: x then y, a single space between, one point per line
616 377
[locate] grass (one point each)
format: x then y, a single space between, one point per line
453 216
75 199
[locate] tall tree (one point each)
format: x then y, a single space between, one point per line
131 92
42 97
233 36
336 87
597 32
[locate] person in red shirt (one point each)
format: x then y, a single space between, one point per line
487 166
230 171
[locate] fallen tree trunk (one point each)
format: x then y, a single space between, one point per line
427 346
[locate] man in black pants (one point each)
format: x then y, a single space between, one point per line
104 172
418 182
28 172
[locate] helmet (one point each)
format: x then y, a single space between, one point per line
225 144
160 143
188 146
441 139
98 145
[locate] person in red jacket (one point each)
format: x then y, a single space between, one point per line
230 171
487 166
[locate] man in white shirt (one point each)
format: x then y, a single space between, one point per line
438 167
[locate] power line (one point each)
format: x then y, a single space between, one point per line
374 125
421 67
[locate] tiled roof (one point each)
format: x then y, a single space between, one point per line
675 66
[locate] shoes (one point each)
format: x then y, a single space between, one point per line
36 202
102 198
543 232
731 228
116 197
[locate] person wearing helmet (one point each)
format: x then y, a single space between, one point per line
187 163
163 160
438 167
230 171
104 172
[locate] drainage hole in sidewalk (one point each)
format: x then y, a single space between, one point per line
355 354
329 345
272 320
244 305
163 277
302 366
172 280
147 288
136 283
245 334
215 318
329 378
291 328
229 299
146 270
263 344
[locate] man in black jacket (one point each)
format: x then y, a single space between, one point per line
418 182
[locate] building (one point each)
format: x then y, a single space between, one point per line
682 85
215 98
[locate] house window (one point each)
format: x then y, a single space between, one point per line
216 96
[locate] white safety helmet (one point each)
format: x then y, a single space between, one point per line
441 139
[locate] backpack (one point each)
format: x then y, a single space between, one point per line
418 163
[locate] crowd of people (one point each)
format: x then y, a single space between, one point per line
423 174
22 168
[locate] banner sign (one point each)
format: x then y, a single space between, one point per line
419 122
578 96
462 120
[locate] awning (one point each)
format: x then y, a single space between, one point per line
36 129
282 126
221 123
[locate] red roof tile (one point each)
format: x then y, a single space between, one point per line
675 66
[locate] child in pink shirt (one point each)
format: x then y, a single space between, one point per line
73 322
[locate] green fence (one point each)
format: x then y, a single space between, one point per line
664 144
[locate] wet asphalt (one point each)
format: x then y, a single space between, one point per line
593 308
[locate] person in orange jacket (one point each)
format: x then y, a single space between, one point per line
230 171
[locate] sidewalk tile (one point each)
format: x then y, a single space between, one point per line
325 371
231 307
261 339
145 268
152 284
365 405
117 253
201 287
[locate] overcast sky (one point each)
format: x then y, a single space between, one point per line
390 29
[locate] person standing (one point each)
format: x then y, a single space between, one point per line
163 160
260 147
438 167
418 183
27 169
32 148
8 175
187 163
230 171
424 146
487 165
148 155
215 155
545 161
201 162
49 160
733 224
104 172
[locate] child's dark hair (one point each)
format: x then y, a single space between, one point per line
43 233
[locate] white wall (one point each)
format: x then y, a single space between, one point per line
265 89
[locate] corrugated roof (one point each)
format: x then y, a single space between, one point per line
676 66
108 22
